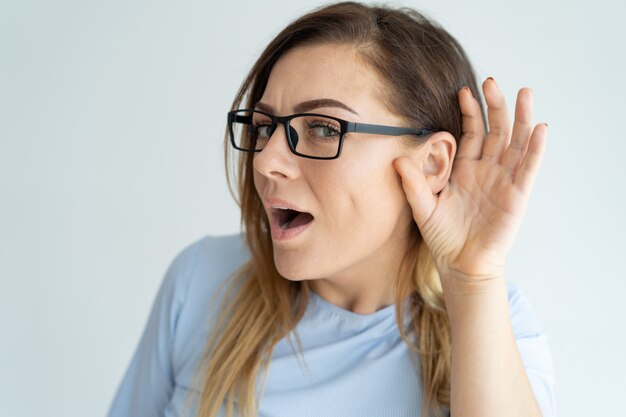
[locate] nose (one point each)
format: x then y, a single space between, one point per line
276 159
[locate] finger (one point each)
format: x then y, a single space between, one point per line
473 137
499 127
528 169
417 190
522 129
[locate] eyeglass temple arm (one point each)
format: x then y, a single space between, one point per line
386 130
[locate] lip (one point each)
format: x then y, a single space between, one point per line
270 202
279 234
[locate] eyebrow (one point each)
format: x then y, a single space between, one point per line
309 105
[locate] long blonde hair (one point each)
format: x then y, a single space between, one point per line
423 67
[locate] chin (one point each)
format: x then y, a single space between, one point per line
293 270
292 274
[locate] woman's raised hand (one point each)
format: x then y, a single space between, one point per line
470 225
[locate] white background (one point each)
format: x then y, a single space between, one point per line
111 122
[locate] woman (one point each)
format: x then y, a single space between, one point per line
378 214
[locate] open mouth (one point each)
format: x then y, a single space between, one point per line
288 218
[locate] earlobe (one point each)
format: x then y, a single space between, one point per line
439 157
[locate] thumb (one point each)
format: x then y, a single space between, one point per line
418 192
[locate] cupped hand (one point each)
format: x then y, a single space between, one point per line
470 225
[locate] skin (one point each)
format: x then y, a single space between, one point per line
468 207
469 228
352 251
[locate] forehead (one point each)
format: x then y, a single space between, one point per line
322 71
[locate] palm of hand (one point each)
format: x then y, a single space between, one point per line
470 225
480 207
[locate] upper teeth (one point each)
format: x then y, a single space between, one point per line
282 208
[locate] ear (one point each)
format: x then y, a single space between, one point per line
437 157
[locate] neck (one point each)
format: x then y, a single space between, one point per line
366 287
356 300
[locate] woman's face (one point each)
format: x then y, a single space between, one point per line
361 217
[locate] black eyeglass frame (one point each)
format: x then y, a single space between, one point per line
346 127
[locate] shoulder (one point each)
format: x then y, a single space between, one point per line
205 262
216 248
213 252
205 265
196 272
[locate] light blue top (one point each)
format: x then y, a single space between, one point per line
357 364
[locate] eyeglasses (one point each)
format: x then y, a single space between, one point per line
309 135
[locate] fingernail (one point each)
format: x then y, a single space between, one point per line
546 124
469 90
494 81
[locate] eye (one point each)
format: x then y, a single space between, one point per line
323 129
262 130
260 127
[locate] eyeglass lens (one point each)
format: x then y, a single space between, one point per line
315 136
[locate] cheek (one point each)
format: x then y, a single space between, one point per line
368 194
258 179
